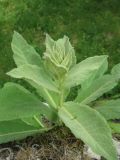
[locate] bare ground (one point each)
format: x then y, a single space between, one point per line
58 144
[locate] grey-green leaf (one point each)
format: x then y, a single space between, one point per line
97 74
96 89
33 122
110 109
82 71
16 130
116 71
17 102
88 125
35 74
23 52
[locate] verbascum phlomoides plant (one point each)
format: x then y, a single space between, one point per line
23 114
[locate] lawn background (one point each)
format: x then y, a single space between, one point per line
93 27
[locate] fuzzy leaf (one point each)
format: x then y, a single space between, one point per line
31 121
116 71
110 109
82 71
59 56
23 52
88 125
16 130
97 89
16 102
101 70
60 52
35 74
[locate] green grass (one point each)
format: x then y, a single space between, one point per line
92 25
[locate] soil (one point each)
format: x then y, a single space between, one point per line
58 144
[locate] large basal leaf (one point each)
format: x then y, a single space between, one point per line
16 130
88 125
23 52
116 71
17 102
82 71
35 74
110 109
96 89
48 114
32 121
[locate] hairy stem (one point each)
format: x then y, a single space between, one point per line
61 87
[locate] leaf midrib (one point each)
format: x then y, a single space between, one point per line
84 130
23 132
83 101
21 55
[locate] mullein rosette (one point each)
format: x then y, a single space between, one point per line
59 56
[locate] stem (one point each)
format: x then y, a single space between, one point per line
61 97
61 87
51 101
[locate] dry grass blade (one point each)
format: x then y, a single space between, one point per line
59 144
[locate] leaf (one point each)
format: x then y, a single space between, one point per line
16 102
116 71
55 70
33 122
82 71
23 52
60 52
110 109
97 89
97 74
50 116
103 67
16 130
49 43
87 83
35 74
115 127
59 56
51 97
88 125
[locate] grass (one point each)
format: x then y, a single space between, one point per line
92 25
